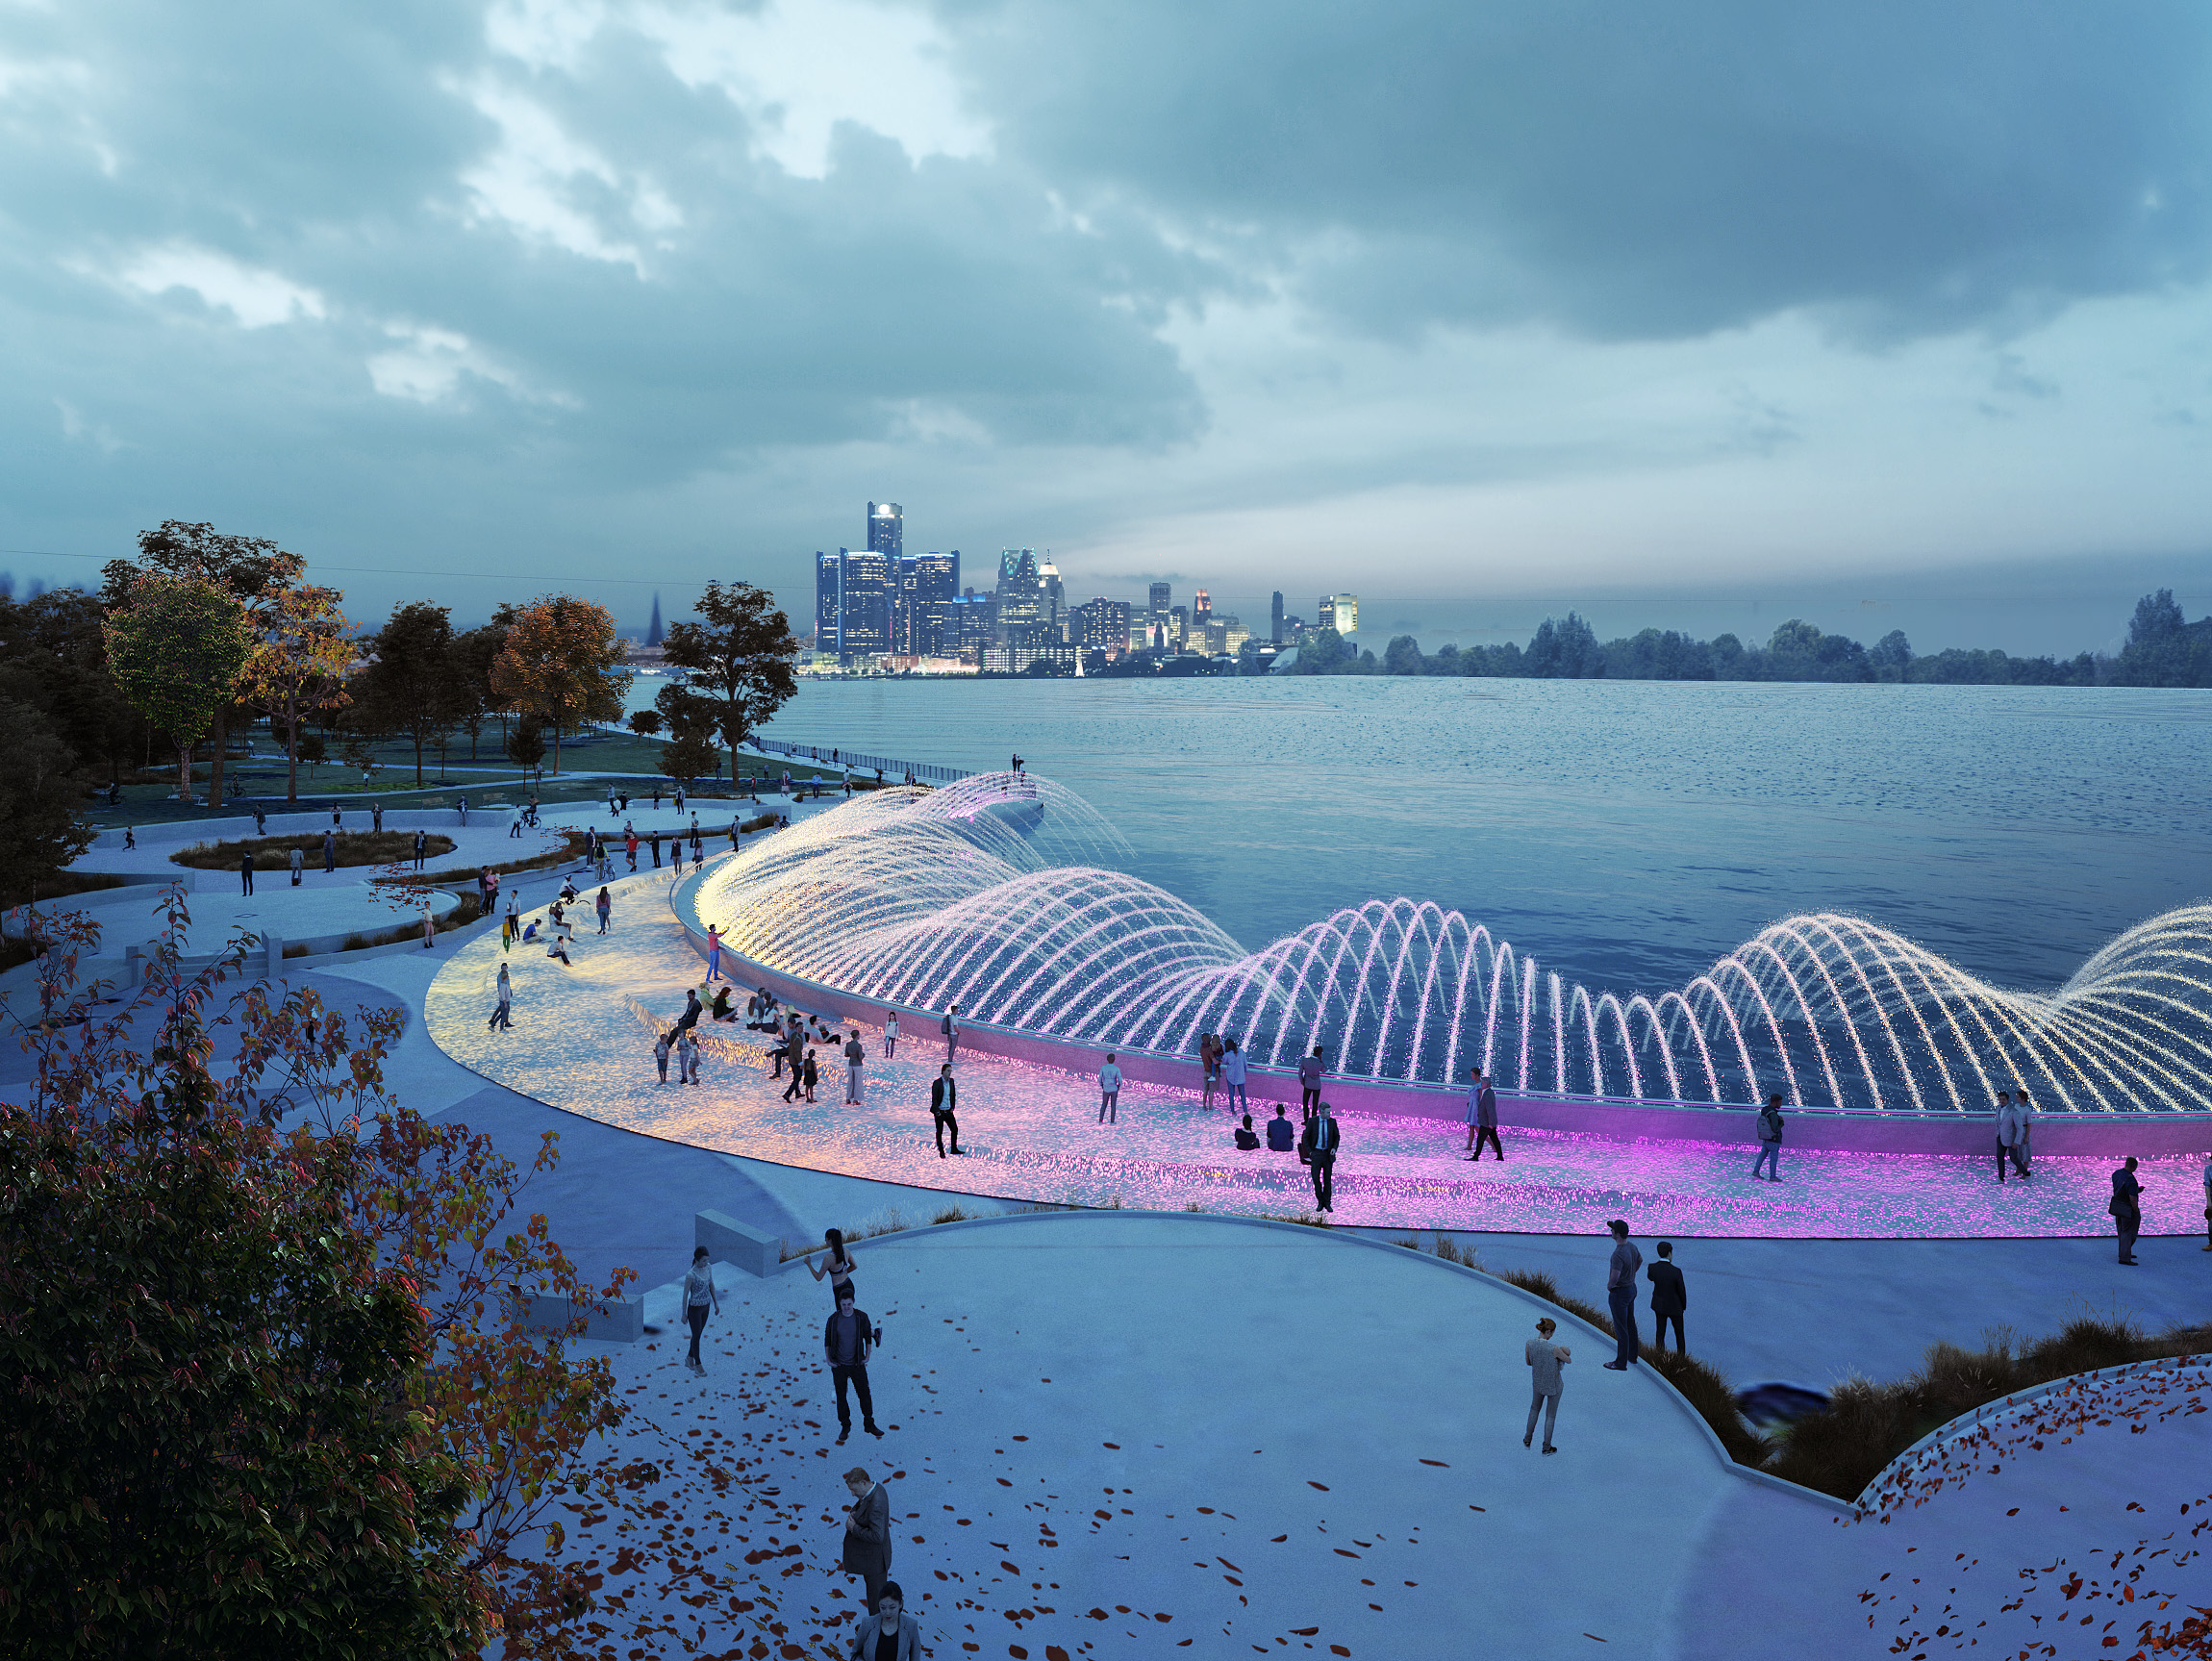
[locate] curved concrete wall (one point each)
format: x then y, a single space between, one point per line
1883 1132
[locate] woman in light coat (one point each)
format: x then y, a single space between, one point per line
891 1633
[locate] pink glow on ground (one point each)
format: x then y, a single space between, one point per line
581 1043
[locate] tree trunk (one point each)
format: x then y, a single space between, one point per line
556 745
185 772
418 758
291 748
217 737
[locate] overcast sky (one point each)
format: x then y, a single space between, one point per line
1471 308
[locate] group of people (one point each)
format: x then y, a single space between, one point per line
1669 1301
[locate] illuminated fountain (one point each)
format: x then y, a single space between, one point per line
1006 895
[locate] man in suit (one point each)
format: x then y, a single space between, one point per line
868 1532
1321 1144
2006 1131
1670 1297
1482 1117
943 1103
2126 1209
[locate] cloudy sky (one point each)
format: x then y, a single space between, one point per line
1675 311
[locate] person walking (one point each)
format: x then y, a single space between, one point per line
1310 1071
2023 1130
847 1340
1620 1296
463 810
246 873
888 1633
376 818
1669 1298
603 905
1482 1117
663 1046
855 1057
298 865
429 928
1321 1142
260 820
514 824
2126 1209
1769 1134
329 852
503 1011
1109 1090
889 1034
654 843
688 1055
699 1299
630 845
1233 1077
422 847
944 1108
950 1027
868 1533
2006 1131
1545 1385
837 1268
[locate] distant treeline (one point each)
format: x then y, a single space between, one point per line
2162 650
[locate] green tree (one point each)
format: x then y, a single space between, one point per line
252 570
2163 649
407 688
562 662
42 825
1402 657
474 652
526 744
178 648
53 657
740 654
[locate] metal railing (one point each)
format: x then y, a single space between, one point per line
885 765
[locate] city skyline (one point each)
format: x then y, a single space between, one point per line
1758 307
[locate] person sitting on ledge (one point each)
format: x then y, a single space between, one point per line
1245 1140
1282 1133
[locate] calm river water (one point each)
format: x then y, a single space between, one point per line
1626 832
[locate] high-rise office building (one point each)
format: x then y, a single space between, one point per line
1162 599
864 616
1056 625
934 631
1275 619
886 529
1103 626
1201 608
1178 627
829 599
1347 613
1023 605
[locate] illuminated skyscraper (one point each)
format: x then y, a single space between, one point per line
886 529
936 632
864 614
829 599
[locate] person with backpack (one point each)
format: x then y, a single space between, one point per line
950 1027
1770 1133
847 1338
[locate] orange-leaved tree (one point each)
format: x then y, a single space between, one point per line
562 662
299 662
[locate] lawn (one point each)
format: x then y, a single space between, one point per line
274 852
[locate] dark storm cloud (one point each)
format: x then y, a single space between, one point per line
1630 170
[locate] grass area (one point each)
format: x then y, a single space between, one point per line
1866 1424
274 853
60 885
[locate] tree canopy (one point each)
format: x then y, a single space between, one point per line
42 825
407 688
178 648
562 662
739 654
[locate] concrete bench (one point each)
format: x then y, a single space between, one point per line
622 1322
729 1241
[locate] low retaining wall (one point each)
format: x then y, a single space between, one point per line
2083 1134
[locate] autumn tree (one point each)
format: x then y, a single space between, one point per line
406 687
469 673
299 664
738 655
252 570
178 648
221 1294
562 662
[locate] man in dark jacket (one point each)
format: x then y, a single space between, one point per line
944 1100
848 1338
868 1533
1669 1298
2126 1208
1320 1151
1282 1133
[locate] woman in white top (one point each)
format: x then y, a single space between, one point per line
1545 1360
699 1298
889 1034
